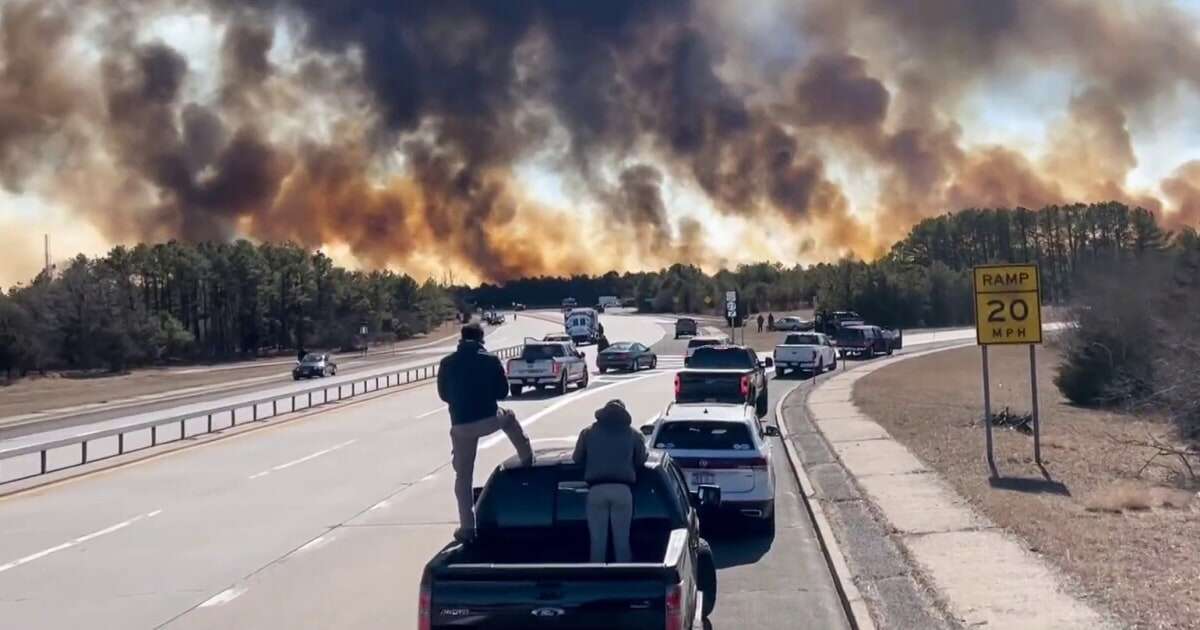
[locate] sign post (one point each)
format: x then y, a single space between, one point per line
731 313
1008 311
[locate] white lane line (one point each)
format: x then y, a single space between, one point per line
379 506
429 477
82 539
314 543
224 597
559 404
303 459
432 411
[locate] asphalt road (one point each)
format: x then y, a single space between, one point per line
326 521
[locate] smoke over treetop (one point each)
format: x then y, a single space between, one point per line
406 131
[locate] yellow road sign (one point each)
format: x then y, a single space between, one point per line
1007 304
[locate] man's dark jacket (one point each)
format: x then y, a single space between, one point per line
470 381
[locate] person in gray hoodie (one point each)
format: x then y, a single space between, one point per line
611 452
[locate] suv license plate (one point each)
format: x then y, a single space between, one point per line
703 478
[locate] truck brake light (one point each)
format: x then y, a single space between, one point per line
675 612
557 367
745 386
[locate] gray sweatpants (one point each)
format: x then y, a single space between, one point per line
610 506
464 440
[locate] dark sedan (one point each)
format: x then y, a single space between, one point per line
314 365
626 355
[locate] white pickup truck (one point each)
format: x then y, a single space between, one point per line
544 364
811 352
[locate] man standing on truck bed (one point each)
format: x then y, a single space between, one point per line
470 381
611 452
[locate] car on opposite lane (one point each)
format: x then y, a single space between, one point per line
314 365
723 445
626 355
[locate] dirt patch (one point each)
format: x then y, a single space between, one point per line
1130 541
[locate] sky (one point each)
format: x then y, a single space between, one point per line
501 140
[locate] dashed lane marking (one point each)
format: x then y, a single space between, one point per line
77 541
302 459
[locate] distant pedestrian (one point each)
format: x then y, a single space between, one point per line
300 353
760 322
470 381
611 452
771 321
602 344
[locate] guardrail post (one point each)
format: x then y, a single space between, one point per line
310 398
182 429
83 451
43 462
293 402
254 412
210 423
274 408
120 444
154 435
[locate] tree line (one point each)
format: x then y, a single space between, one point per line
925 279
154 303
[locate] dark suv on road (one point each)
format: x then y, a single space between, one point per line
685 327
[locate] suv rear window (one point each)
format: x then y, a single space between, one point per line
548 351
722 359
706 435
797 340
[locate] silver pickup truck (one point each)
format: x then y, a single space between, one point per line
545 365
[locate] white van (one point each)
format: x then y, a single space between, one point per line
583 325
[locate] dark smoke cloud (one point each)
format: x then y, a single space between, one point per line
397 127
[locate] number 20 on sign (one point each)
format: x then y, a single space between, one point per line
1007 305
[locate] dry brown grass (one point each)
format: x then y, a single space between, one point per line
1130 541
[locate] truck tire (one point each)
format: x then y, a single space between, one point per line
833 366
603 370
706 577
562 385
760 404
583 383
515 390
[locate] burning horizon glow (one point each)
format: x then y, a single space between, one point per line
497 140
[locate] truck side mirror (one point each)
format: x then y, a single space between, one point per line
769 362
771 430
648 429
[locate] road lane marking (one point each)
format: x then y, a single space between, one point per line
302 459
433 411
429 477
224 597
559 404
314 543
76 541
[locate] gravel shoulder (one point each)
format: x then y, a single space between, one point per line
1129 541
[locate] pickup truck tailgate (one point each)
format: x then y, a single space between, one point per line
520 368
711 385
577 603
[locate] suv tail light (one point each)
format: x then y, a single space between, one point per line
745 386
755 463
678 386
675 612
425 605
557 367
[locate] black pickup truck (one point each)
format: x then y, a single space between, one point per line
724 373
527 568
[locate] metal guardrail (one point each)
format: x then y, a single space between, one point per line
212 416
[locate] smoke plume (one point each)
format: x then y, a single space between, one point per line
424 135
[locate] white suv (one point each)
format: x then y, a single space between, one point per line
723 445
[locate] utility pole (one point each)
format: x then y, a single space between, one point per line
46 269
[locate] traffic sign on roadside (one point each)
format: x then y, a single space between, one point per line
1008 310
1007 305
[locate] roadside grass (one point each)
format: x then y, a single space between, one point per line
1129 540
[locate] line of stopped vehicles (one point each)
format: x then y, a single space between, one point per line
711 459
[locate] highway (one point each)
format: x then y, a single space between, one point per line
325 520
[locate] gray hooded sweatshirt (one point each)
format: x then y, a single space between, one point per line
611 451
